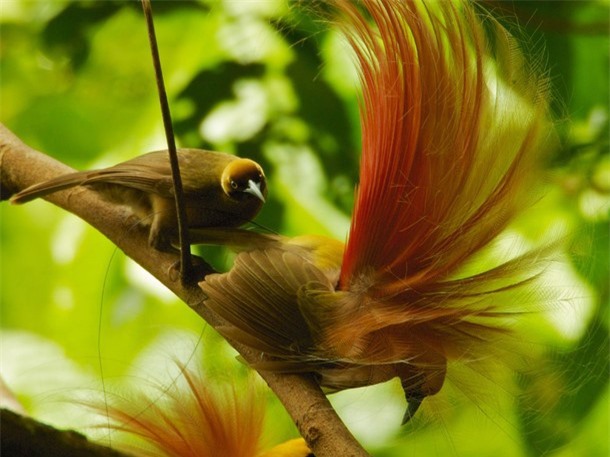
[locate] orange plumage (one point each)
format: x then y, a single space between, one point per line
454 128
192 420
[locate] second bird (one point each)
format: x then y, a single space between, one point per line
220 190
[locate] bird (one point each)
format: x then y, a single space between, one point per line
219 190
456 126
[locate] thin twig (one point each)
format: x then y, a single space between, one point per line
186 267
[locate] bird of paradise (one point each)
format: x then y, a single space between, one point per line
455 125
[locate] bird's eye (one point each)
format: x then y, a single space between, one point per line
233 185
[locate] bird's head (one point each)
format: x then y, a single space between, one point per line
244 176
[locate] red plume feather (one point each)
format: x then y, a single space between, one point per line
449 148
452 144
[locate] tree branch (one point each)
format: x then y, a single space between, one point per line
22 435
22 166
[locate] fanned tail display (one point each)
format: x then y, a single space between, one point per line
455 127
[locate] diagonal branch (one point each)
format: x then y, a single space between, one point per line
22 435
22 166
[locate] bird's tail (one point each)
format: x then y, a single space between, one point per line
49 187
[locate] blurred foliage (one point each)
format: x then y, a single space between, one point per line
272 82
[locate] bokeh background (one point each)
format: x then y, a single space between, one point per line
272 82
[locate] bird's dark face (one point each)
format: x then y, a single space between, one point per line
244 177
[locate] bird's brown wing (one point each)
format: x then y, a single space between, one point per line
200 171
146 173
148 177
259 298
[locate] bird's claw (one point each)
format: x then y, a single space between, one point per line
199 269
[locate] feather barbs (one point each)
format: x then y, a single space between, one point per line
436 116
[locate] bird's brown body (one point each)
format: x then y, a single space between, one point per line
454 124
220 190
281 297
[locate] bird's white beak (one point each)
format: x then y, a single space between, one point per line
255 189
